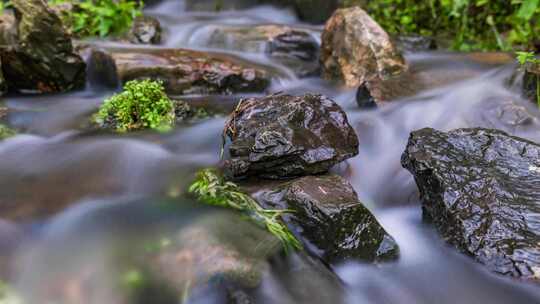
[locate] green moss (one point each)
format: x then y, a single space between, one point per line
6 132
88 18
212 189
143 104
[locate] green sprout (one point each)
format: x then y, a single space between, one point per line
143 104
212 189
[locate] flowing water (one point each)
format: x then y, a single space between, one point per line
87 192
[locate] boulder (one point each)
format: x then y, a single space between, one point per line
282 136
481 189
42 58
328 214
355 49
145 30
190 72
294 48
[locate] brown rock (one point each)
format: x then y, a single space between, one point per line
190 72
355 49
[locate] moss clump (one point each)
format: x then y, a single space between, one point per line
212 189
6 132
142 104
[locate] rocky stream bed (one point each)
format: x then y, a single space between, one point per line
409 175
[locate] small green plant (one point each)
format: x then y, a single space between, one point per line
212 189
525 58
102 18
6 132
142 104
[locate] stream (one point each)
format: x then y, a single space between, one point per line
89 192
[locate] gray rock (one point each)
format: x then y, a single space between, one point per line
481 189
328 214
294 48
281 136
145 30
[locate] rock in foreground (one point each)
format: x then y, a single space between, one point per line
281 136
329 215
190 72
481 189
42 58
355 49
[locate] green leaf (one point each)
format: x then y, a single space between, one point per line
527 9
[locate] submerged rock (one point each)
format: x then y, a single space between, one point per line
415 43
481 189
294 48
355 49
145 30
328 214
281 136
190 72
42 58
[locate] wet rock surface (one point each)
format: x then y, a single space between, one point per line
145 30
328 214
292 47
481 189
281 136
531 82
355 49
190 72
42 58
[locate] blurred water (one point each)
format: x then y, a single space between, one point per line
102 179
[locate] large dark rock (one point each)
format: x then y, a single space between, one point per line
281 136
190 72
293 47
328 214
481 189
42 58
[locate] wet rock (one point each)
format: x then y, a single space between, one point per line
295 48
364 98
190 72
42 59
481 189
218 5
3 84
415 43
281 136
219 249
531 82
328 214
10 239
100 68
315 11
145 30
355 49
